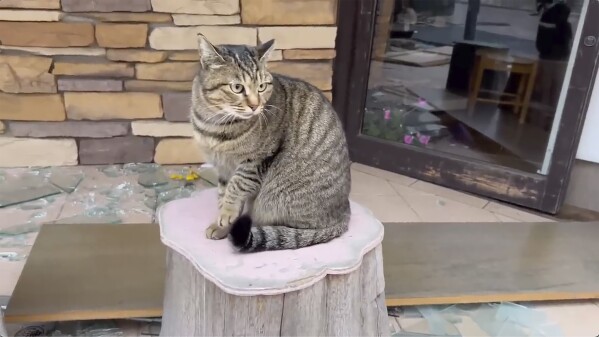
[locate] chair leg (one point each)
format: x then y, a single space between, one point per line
475 83
532 77
520 93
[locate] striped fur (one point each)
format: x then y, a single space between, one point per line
286 162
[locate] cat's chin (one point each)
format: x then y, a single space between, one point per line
245 116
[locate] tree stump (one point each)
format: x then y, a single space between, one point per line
331 289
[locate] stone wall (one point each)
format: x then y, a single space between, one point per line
108 81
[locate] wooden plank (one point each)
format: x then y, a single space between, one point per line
79 272
445 263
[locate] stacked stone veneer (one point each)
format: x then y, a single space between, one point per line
108 81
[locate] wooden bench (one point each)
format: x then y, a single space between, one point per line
331 289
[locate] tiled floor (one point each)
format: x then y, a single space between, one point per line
396 198
392 198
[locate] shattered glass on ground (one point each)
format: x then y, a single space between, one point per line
28 188
484 320
114 194
93 328
477 320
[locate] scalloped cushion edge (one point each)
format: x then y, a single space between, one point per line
292 286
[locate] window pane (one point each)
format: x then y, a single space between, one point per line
476 78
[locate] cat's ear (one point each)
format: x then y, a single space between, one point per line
265 49
209 56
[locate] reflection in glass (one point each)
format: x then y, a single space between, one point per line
475 78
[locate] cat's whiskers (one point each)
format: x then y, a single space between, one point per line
231 119
272 106
266 111
227 118
213 117
262 117
219 117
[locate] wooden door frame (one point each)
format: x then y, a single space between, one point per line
542 192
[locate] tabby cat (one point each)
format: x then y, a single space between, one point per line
279 149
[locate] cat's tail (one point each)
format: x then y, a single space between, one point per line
248 238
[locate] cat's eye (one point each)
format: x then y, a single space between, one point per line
262 87
236 88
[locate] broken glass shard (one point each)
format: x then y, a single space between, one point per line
134 168
171 185
41 171
151 329
20 229
66 181
12 256
26 189
99 328
494 320
17 240
152 178
112 171
151 202
437 322
150 199
36 204
120 191
209 175
394 311
178 193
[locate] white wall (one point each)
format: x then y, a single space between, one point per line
589 142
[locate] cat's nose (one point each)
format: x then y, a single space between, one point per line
253 106
253 101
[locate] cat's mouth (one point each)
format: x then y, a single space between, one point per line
246 115
241 114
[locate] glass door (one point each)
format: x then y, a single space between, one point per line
466 93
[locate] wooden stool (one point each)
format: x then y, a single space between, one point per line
525 68
331 289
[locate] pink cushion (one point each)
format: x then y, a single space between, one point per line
182 226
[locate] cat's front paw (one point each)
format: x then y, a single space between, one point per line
216 232
220 229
